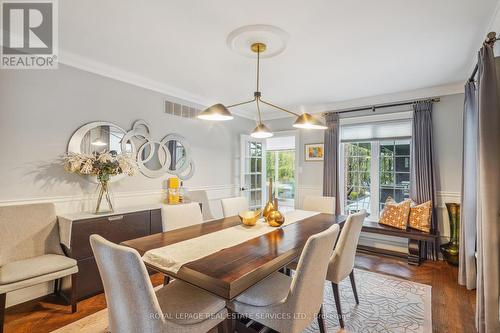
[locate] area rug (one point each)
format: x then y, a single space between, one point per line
386 304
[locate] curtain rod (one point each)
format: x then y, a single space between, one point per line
491 38
382 106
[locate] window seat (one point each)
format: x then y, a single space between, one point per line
416 241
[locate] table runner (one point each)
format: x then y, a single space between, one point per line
172 257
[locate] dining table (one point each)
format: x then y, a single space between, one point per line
232 269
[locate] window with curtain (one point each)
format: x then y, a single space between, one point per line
375 164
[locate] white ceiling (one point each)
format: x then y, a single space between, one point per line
338 49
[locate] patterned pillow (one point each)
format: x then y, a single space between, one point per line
420 216
396 214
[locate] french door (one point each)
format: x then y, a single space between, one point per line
253 170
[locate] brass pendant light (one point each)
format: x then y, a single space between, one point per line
220 112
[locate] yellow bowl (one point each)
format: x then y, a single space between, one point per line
250 217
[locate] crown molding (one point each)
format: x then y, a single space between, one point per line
174 94
179 95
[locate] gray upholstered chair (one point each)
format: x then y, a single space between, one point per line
342 261
275 301
202 197
180 216
319 204
232 206
30 251
133 304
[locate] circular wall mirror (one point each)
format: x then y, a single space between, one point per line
153 159
180 153
98 137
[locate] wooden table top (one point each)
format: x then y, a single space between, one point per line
229 272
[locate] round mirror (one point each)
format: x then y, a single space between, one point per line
179 153
153 159
98 137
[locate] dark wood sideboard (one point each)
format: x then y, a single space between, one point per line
117 228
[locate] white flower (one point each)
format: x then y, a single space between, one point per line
87 167
105 157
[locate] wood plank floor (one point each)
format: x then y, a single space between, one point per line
452 305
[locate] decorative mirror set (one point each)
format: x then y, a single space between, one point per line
154 159
103 152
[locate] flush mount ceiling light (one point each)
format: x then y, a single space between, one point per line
220 112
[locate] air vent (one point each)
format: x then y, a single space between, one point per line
181 110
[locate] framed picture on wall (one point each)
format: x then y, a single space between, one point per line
314 152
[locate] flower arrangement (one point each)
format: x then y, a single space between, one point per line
103 166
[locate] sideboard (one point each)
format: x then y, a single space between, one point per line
124 224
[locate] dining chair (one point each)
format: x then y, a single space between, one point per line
31 251
288 304
202 197
319 204
133 304
232 206
180 216
342 261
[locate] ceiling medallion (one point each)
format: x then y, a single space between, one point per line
264 41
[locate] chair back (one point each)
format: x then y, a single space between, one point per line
342 261
28 231
180 216
202 197
132 303
319 204
232 206
306 291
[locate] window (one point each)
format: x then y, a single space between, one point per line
394 164
357 176
375 164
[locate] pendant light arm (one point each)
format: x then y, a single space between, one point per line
279 108
258 111
242 103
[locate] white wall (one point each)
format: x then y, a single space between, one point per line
40 110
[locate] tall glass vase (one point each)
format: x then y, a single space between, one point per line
104 203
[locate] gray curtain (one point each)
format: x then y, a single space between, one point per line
422 176
467 259
488 214
331 160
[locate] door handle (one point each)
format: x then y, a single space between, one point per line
115 218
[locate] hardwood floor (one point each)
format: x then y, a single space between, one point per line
453 306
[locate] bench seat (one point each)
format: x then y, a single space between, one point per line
416 238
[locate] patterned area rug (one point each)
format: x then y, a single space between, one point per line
387 304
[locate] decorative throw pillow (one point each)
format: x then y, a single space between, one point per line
395 214
420 216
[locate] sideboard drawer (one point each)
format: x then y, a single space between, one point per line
116 228
129 226
81 231
89 281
